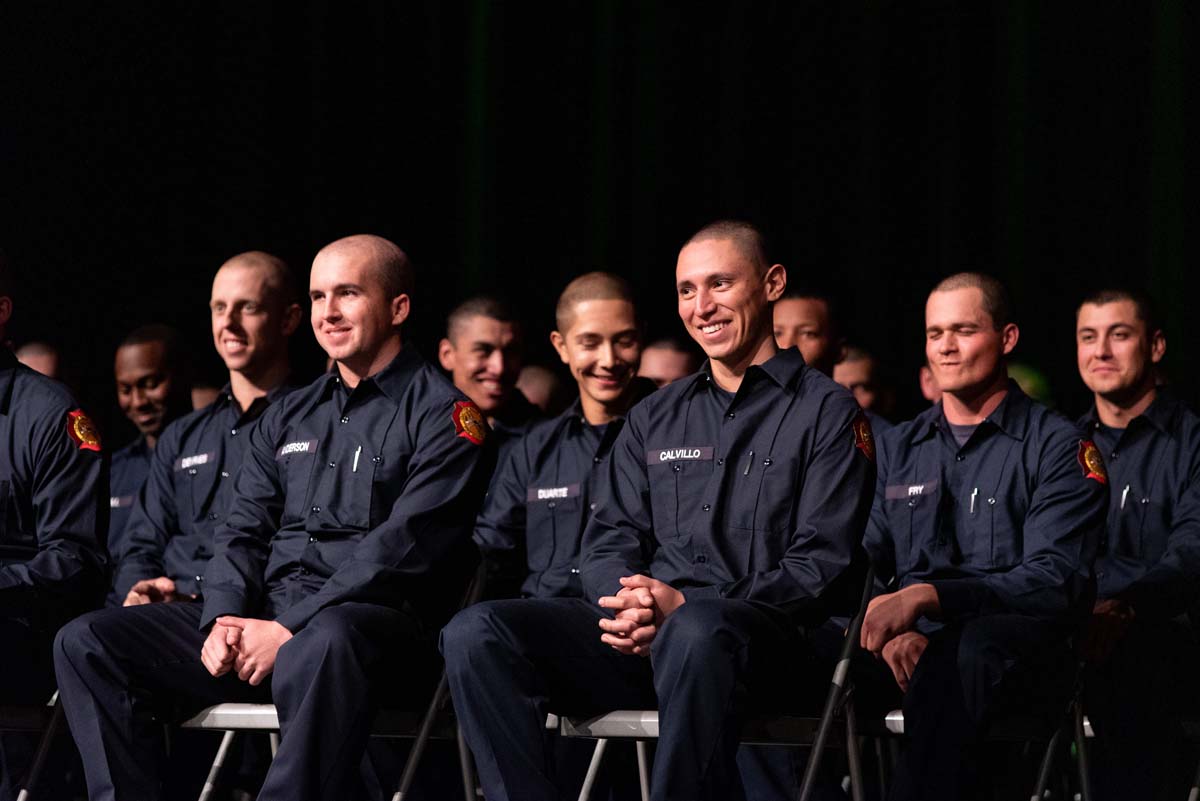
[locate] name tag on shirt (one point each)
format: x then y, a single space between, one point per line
293 448
899 491
195 460
120 501
552 493
689 454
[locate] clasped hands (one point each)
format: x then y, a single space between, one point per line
245 645
887 629
641 606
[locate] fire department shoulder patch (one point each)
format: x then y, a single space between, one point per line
1091 461
469 423
83 431
863 439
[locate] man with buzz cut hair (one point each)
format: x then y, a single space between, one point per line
805 318
340 553
53 515
728 512
668 359
482 351
1141 642
987 514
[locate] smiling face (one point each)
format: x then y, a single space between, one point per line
965 351
725 300
602 348
354 320
1115 353
804 323
250 320
483 356
143 385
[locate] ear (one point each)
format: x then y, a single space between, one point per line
446 355
1009 336
775 281
5 310
291 319
400 310
1158 345
560 345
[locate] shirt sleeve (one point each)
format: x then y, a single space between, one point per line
618 541
1061 533
436 510
501 522
879 540
233 580
1171 586
68 493
152 521
835 501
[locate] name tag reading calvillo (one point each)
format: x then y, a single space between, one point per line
687 454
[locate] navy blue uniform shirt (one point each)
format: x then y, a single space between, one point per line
130 467
187 494
1008 522
353 497
516 418
53 499
541 499
760 496
1150 556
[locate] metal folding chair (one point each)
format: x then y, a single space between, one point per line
798 730
44 720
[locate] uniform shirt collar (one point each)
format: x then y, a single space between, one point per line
1160 413
1011 416
784 368
392 380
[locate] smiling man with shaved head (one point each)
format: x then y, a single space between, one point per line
340 552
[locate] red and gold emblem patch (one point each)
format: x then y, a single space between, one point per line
469 423
864 440
83 431
1091 461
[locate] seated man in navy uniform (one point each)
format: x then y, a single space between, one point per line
152 391
482 351
53 513
335 561
806 319
168 540
987 515
1141 642
731 505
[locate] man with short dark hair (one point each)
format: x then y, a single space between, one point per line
805 319
152 391
1141 643
668 359
342 548
728 513
53 513
482 351
987 514
858 371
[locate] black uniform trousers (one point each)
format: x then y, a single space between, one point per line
971 673
1137 700
118 667
509 663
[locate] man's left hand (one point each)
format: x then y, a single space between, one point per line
258 647
633 630
895 613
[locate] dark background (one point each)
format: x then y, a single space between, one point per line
511 146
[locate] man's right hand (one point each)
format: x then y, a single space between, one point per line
221 649
153 591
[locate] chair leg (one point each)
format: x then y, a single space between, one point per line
585 792
853 753
423 734
45 743
210 784
1043 779
1085 773
273 740
643 760
466 764
881 766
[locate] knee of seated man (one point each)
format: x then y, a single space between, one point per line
699 625
469 632
82 636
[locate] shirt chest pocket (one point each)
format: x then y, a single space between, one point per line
912 519
553 525
1143 524
679 481
1003 543
196 481
298 460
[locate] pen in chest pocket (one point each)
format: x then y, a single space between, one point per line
974 495
1124 493
357 453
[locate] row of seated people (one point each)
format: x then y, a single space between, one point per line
307 545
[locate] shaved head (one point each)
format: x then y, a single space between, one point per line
390 263
590 286
746 237
279 279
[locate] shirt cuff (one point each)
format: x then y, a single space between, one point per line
298 616
698 593
218 603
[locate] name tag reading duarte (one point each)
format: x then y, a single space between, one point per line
551 493
686 454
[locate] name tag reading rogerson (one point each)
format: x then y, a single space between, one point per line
293 448
195 460
552 493
120 501
899 491
662 455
